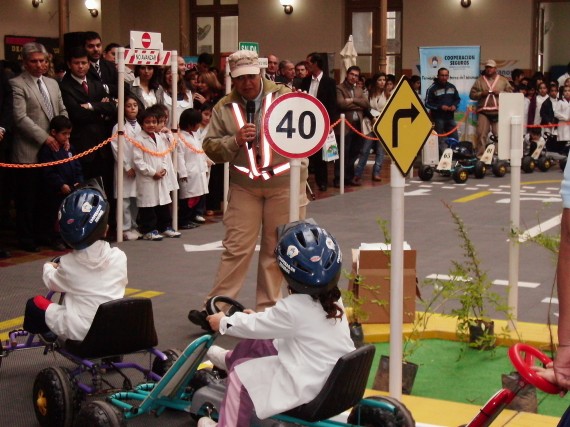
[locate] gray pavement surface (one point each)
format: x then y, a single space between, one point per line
181 271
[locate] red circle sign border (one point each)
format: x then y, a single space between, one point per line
286 97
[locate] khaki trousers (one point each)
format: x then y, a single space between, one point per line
249 210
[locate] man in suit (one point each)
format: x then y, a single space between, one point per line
93 116
100 69
323 88
37 99
352 102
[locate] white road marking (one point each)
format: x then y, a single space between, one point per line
540 228
498 282
212 246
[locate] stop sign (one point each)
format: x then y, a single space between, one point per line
145 39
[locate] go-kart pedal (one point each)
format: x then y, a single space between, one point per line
199 318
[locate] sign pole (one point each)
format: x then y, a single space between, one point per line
516 161
341 150
294 187
174 129
120 141
226 164
397 184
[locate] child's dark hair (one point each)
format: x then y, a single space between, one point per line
149 112
60 123
328 302
189 118
535 131
206 106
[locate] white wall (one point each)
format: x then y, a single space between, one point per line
501 28
556 18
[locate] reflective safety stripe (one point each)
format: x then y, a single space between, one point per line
255 171
489 95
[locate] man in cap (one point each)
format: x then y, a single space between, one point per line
259 183
486 91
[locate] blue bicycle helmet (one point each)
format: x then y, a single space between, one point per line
309 258
83 217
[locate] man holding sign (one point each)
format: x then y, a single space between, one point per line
259 183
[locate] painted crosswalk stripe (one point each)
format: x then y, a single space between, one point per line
497 282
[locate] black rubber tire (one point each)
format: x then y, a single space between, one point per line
561 163
480 170
369 416
425 173
56 398
544 164
100 414
460 175
160 367
499 169
528 164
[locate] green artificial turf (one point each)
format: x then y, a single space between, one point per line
471 376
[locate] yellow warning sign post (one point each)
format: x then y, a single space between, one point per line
404 126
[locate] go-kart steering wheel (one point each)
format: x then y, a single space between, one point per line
212 305
523 357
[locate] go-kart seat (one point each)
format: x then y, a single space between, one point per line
344 387
121 326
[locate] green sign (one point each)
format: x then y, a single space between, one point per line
253 46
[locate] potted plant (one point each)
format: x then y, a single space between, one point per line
354 312
469 286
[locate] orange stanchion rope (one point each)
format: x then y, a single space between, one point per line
152 153
189 146
58 162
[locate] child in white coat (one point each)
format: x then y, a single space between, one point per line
193 173
562 113
132 129
92 274
154 172
294 344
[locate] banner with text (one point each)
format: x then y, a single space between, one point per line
463 63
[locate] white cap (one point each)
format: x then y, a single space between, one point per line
243 62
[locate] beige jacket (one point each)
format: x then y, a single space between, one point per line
485 96
220 146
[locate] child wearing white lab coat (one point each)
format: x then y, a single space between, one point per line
154 175
193 173
296 343
132 129
92 274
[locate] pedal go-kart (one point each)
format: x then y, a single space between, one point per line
457 161
546 152
523 357
491 158
58 391
186 387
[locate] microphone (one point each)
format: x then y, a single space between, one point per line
250 115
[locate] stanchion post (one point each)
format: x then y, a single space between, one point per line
120 141
341 157
174 128
227 165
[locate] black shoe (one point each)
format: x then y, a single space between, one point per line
189 226
48 337
199 319
336 184
322 188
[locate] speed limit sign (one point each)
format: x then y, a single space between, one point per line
296 125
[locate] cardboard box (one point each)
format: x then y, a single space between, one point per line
373 267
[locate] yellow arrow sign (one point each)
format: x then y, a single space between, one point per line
404 126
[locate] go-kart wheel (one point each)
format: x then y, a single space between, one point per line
499 169
528 164
460 175
159 366
100 414
480 169
393 413
425 173
523 357
56 398
544 164
212 305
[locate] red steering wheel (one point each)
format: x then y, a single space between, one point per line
523 356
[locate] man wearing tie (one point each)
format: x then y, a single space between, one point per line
37 99
93 116
323 88
100 69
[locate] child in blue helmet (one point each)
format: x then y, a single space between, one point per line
92 274
296 343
